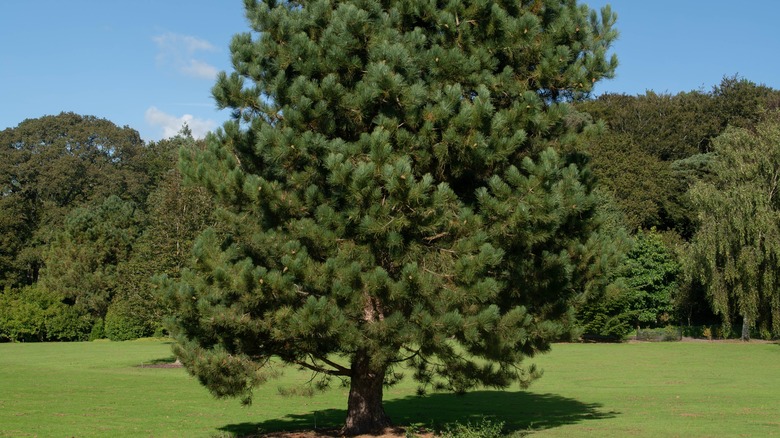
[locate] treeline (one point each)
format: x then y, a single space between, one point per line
90 216
653 157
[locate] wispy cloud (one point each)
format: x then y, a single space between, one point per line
199 69
171 124
180 52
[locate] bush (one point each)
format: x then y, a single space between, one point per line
123 323
483 429
98 331
696 331
665 334
160 332
34 313
20 319
65 323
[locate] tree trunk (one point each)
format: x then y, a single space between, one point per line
365 413
745 328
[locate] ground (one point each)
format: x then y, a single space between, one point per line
398 432
388 433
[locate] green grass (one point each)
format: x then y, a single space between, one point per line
643 390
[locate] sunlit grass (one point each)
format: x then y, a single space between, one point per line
648 390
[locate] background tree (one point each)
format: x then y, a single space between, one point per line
657 145
741 103
651 276
82 262
50 165
75 193
642 290
601 304
176 214
388 195
734 254
637 181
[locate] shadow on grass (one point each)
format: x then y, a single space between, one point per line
162 360
165 362
520 411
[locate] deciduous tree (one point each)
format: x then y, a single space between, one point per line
51 165
735 253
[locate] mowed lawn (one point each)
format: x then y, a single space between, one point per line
689 389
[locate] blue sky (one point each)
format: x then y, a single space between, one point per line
150 64
683 45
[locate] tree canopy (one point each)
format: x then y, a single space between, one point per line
50 165
657 145
390 192
735 252
88 215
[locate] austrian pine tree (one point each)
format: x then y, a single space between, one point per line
390 194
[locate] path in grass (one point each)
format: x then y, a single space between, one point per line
644 390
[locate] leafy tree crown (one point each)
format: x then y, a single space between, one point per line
390 191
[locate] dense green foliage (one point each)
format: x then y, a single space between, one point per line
126 320
657 145
637 188
651 275
50 165
641 292
88 215
654 148
390 191
33 313
83 258
735 251
401 181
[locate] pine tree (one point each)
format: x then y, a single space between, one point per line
390 193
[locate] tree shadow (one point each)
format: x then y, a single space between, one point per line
519 411
162 360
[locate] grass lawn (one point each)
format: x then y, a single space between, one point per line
696 389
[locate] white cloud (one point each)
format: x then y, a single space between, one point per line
180 52
171 125
199 69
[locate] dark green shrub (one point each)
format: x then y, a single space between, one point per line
98 331
160 332
763 331
34 313
663 334
694 331
123 323
65 323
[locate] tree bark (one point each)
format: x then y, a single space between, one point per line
745 328
365 413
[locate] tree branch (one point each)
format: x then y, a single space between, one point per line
319 369
340 368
